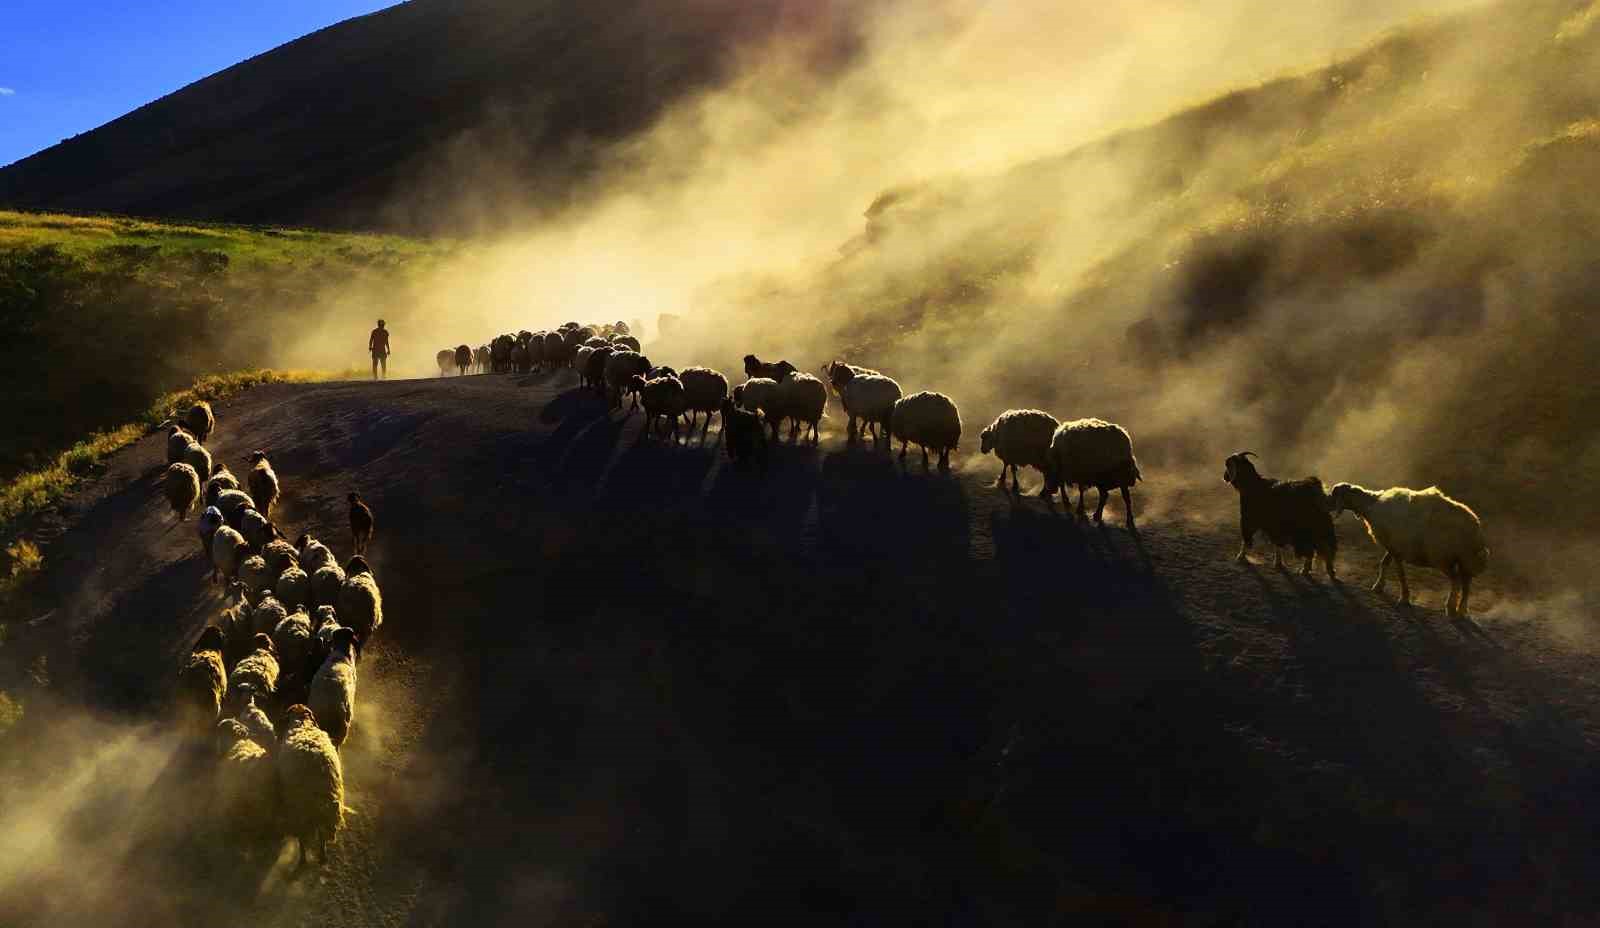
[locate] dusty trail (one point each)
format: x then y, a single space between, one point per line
621 682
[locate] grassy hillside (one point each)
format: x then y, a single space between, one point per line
101 316
1380 271
386 119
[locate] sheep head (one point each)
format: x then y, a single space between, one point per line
263 642
256 457
347 640
357 565
1345 497
1238 467
986 440
299 714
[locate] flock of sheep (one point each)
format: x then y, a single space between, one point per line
279 666
1424 528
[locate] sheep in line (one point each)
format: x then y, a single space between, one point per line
313 554
362 523
760 395
256 529
1020 438
521 361
178 441
1092 453
221 479
257 672
266 615
1288 512
252 575
280 556
254 718
743 435
292 639
228 550
865 395
704 391
210 520
236 622
231 503
333 688
463 360
245 785
197 457
202 682
360 601
802 399
662 398
201 421
621 366
182 487
929 420
310 782
445 358
325 585
1426 528
263 482
480 359
293 587
626 343
592 372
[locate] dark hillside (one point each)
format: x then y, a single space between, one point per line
386 119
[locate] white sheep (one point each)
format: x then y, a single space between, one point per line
865 395
256 529
266 615
206 527
263 481
1092 453
292 639
760 395
182 487
280 555
200 421
703 392
202 682
310 783
360 601
221 479
930 420
228 550
1019 438
197 457
802 399
245 798
333 689
257 672
325 585
1423 527
293 587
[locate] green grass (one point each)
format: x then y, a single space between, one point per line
35 491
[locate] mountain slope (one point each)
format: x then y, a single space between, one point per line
391 118
621 682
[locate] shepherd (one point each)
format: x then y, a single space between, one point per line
378 344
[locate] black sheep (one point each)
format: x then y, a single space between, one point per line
1290 512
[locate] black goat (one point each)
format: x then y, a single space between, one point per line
1290 512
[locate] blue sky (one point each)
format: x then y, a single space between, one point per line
67 67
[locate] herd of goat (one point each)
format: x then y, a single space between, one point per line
278 669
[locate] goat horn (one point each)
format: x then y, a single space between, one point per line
1248 454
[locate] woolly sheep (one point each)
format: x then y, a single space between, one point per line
325 585
360 601
1289 512
197 457
257 672
221 479
333 689
200 420
662 398
1019 438
228 549
555 350
178 441
292 638
1092 453
802 399
865 395
480 359
743 435
266 615
182 487
293 587
1422 527
580 360
310 783
703 392
760 394
202 682
230 503
253 574
593 371
445 358
834 370
598 341
263 481
463 359
257 531
324 622
619 367
313 554
930 420
206 527
626 342
521 361
245 784
280 556
235 620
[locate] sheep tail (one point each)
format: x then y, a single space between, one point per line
1138 475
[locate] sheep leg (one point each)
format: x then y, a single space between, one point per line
706 428
903 449
1383 572
924 456
1081 491
1000 481
1405 590
1127 506
1278 559
1466 587
1455 586
1305 570
1100 510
